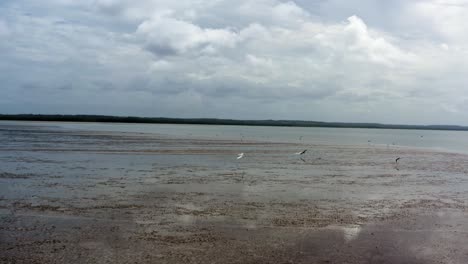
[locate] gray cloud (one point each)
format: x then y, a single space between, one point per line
366 61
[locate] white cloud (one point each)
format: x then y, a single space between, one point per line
267 55
165 35
273 12
444 46
447 18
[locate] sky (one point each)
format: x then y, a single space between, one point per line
400 62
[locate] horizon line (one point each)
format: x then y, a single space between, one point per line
218 121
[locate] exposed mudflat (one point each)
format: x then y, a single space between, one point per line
97 197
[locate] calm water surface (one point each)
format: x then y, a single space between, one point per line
455 141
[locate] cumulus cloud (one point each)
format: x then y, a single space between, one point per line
446 18
315 60
164 35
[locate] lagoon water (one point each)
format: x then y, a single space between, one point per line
161 193
450 141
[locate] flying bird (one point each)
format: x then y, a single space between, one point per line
397 159
302 152
240 155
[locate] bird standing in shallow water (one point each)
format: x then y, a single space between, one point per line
240 156
302 152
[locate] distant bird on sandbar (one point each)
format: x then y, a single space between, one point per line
240 155
301 153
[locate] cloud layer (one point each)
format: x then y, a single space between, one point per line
362 61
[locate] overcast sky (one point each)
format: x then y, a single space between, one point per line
353 61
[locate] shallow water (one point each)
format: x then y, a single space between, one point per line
455 141
74 195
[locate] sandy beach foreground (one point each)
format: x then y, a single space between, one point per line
97 197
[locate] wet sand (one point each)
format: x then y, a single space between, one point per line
97 197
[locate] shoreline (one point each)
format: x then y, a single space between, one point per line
134 129
221 122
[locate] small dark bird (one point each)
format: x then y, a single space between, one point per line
302 152
397 159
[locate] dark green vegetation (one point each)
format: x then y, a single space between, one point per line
215 121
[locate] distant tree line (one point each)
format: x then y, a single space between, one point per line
215 121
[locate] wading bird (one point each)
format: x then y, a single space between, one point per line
302 152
